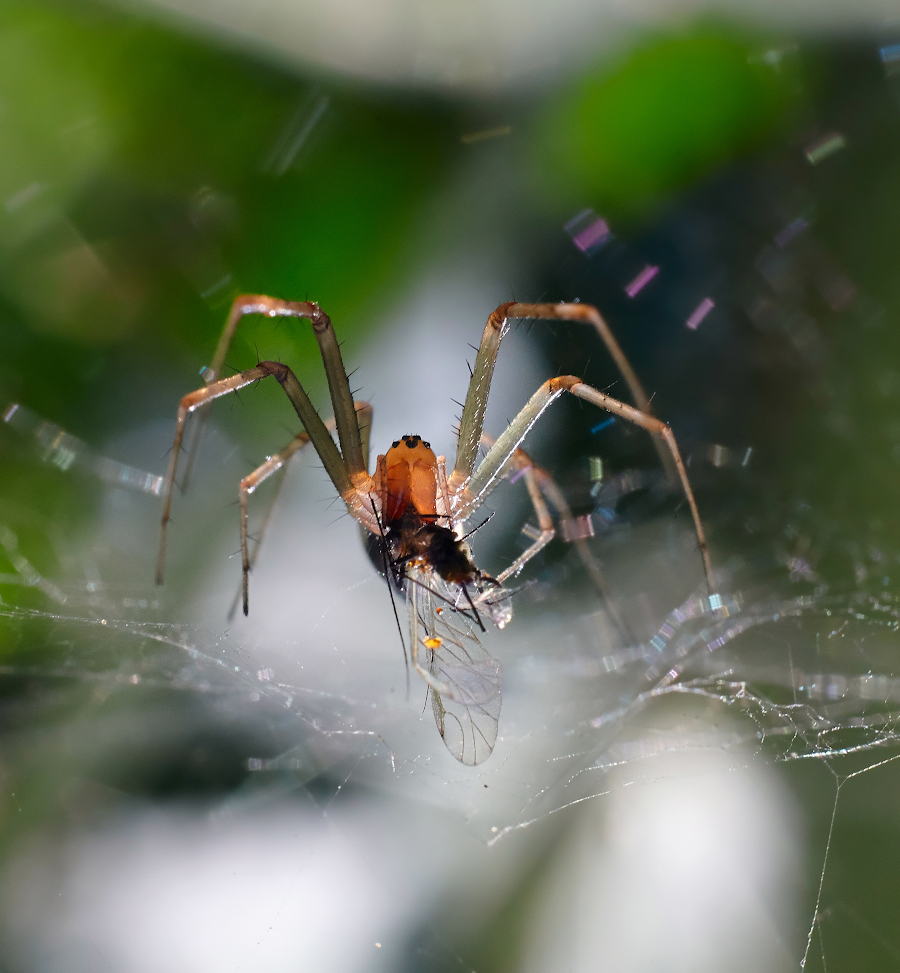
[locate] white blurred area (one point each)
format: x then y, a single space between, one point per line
276 888
692 869
480 45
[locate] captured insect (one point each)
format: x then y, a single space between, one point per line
415 513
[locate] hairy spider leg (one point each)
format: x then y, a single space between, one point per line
538 482
472 422
324 445
521 462
541 484
552 492
273 465
338 384
471 494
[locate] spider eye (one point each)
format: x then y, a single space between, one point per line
426 445
395 444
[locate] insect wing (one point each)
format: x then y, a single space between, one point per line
465 681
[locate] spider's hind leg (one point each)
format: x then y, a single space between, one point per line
278 464
520 465
541 485
274 464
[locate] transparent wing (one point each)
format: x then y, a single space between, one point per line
465 682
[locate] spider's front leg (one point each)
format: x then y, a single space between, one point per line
338 384
474 491
472 422
468 488
315 428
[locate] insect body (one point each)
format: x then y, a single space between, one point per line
415 514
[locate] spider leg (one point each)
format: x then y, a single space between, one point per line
541 484
275 464
472 423
538 482
521 462
551 490
338 384
312 423
364 422
472 493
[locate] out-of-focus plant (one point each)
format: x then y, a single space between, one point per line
146 178
625 136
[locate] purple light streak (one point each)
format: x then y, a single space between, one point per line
596 233
641 281
703 308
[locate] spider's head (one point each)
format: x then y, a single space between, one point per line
410 477
410 442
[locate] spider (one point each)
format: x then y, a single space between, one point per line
414 511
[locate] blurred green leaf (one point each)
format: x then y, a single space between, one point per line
624 138
148 177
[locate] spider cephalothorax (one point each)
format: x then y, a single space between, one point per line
414 513
407 476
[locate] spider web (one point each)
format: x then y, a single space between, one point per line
770 677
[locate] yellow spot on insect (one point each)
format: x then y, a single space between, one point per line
432 643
